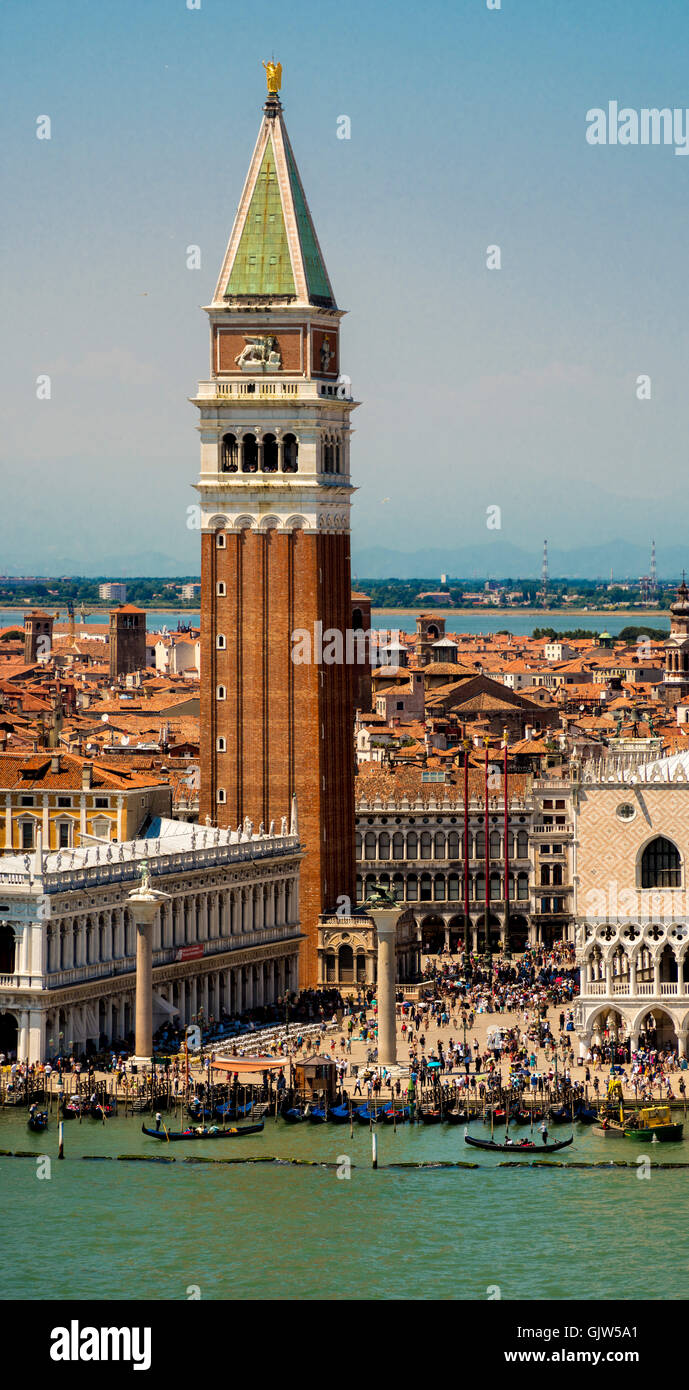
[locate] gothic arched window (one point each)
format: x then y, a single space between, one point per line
660 864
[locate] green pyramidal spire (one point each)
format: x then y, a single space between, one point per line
262 265
273 254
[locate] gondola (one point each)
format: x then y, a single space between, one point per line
318 1115
229 1111
585 1115
74 1106
431 1116
398 1114
98 1110
294 1115
202 1133
366 1116
339 1114
521 1146
561 1116
38 1121
197 1111
455 1117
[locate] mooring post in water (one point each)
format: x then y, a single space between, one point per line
374 1149
61 1139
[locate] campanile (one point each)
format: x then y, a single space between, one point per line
275 497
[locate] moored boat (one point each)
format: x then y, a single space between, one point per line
294 1115
397 1114
99 1109
339 1114
73 1106
654 1123
367 1115
202 1132
431 1115
456 1117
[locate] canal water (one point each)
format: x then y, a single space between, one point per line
149 1231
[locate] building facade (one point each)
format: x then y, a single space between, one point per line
631 845
69 801
274 491
414 845
227 940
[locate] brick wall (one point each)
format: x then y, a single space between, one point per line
288 727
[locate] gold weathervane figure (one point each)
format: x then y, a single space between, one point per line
273 77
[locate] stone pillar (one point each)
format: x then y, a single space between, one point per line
386 926
656 976
608 976
143 905
632 975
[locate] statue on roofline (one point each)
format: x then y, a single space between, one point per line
273 77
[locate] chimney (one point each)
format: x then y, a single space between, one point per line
55 763
528 731
86 776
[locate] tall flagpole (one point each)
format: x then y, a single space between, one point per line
487 863
506 950
467 920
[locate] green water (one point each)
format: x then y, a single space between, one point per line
109 1230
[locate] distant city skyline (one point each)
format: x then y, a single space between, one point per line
515 388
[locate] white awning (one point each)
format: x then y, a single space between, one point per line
163 1006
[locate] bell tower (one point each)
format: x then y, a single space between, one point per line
275 494
677 646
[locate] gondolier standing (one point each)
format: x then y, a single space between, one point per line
544 1132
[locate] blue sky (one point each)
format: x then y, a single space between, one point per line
514 388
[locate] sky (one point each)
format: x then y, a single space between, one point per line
514 388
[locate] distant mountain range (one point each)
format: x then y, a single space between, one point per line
497 559
494 558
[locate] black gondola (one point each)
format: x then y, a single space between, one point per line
339 1114
455 1117
431 1115
293 1115
38 1121
214 1132
521 1146
98 1110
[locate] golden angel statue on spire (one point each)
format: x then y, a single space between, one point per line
273 76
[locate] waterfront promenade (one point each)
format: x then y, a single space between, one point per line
328 1038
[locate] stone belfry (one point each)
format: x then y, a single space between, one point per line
275 496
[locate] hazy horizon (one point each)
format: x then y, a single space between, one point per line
513 388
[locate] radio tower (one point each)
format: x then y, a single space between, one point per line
544 574
653 575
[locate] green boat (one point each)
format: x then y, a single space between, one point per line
654 1123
